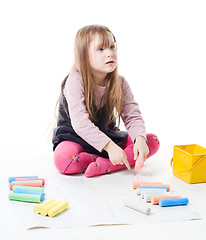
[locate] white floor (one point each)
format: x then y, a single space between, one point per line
39 161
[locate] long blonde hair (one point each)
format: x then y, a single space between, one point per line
113 95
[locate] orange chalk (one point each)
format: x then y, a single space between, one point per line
137 184
156 185
155 200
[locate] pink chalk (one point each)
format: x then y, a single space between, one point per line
138 165
28 184
29 179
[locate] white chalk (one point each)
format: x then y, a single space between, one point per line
139 206
141 191
147 196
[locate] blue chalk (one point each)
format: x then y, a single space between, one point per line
13 178
173 202
153 187
25 191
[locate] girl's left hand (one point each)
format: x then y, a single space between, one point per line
140 149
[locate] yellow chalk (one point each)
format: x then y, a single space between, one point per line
58 208
37 209
44 210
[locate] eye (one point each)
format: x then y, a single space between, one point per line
112 47
100 49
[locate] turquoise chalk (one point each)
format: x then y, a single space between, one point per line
173 202
24 191
36 189
13 178
152 187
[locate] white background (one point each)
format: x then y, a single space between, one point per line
161 50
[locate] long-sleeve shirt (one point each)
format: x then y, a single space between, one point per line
84 127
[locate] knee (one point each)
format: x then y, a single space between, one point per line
63 154
153 143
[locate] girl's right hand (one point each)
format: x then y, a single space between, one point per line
116 154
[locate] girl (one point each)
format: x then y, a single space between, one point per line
93 96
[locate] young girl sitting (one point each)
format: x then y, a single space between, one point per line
93 97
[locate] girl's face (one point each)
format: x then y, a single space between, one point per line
103 60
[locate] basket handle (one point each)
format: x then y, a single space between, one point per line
196 164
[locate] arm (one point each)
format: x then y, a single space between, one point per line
74 94
131 114
134 123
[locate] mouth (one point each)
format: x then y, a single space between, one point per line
110 62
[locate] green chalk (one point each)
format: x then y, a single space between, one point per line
29 181
24 197
37 189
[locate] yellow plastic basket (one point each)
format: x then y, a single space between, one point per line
189 163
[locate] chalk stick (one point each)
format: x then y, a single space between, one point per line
155 200
58 208
28 184
138 164
25 197
25 191
147 196
31 179
137 184
141 191
37 209
44 210
152 187
13 178
173 202
156 185
36 189
138 206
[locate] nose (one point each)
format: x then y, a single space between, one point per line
109 52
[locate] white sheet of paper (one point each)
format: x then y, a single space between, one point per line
96 201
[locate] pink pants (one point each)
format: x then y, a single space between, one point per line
66 153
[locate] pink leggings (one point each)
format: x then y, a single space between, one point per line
71 158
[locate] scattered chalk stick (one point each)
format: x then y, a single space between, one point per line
147 196
153 187
25 191
28 184
149 190
36 189
25 197
13 178
173 202
31 179
137 184
138 206
155 200
44 210
58 209
37 209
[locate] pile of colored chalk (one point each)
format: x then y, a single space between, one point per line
26 189
158 193
51 208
